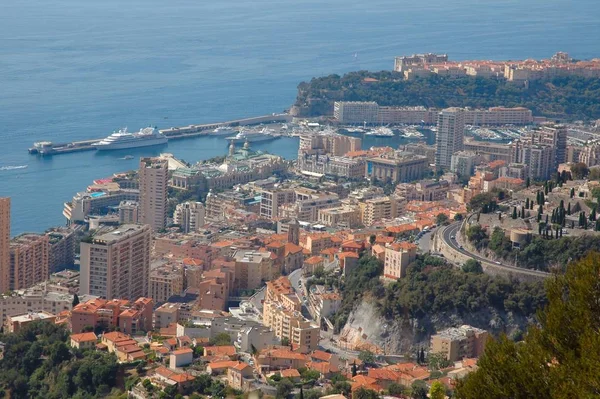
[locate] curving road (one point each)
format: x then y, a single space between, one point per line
454 230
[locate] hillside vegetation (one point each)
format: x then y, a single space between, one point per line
432 287
38 363
560 357
565 97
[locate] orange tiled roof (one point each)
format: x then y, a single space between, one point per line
183 351
290 373
403 245
84 337
321 355
223 350
314 260
225 364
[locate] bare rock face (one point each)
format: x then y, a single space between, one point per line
367 330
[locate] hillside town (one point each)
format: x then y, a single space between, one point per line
228 276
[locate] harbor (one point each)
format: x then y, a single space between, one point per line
47 148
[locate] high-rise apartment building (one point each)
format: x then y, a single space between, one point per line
29 257
450 136
4 244
154 178
355 111
117 264
189 216
458 343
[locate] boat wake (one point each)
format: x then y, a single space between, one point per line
3 168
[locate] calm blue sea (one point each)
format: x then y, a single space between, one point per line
72 69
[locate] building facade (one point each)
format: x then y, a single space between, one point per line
189 216
397 258
450 136
117 264
4 244
458 343
154 180
29 260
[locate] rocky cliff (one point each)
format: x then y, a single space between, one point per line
367 330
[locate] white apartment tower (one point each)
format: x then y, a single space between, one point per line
450 136
117 264
154 178
189 216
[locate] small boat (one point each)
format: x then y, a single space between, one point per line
128 157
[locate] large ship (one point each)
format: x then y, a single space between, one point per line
222 131
122 139
253 136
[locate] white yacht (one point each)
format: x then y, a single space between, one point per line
122 139
222 131
253 136
381 132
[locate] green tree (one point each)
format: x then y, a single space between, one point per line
441 219
75 300
396 389
221 339
437 391
285 341
560 358
284 388
363 393
579 170
514 212
472 266
367 357
418 390
354 371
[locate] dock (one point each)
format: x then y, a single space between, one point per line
46 148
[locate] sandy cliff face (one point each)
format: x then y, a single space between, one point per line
367 330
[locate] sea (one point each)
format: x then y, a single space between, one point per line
74 70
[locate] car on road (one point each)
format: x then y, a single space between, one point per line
498 263
452 237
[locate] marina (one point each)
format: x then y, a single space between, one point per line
47 148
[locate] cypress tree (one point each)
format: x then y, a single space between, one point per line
514 213
527 182
569 209
527 203
572 192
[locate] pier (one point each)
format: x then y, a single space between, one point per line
46 148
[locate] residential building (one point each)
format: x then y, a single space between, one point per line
398 167
180 358
377 209
488 151
29 257
342 217
129 212
4 244
116 264
355 111
424 190
255 338
154 179
240 376
61 253
274 197
130 317
282 292
397 258
84 341
189 216
252 269
318 164
96 200
280 358
457 343
14 324
35 299
539 158
450 136
165 281
328 143
291 325
463 163
307 208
